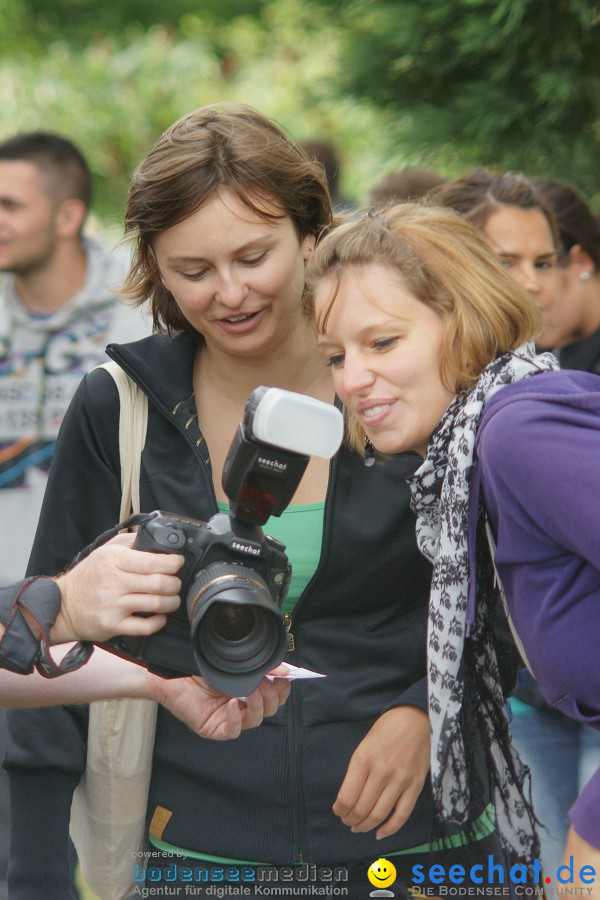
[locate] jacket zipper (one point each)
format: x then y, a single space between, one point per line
287 621
294 702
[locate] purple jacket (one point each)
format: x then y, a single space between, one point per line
538 448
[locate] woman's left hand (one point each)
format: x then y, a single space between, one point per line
213 715
386 773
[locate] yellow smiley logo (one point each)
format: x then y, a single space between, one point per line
381 873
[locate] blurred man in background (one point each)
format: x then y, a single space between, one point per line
58 311
325 153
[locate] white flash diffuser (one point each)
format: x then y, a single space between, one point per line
295 422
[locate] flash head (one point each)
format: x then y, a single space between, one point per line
294 422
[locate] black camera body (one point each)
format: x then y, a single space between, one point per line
230 627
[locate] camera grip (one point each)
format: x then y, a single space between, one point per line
161 537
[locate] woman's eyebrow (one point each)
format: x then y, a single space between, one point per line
249 245
369 329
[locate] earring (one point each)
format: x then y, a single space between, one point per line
369 455
585 276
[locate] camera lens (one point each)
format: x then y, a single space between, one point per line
236 628
237 636
231 622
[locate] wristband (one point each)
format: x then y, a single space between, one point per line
25 641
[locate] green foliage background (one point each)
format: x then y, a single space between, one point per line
114 95
442 83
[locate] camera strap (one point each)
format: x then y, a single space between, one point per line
26 642
127 525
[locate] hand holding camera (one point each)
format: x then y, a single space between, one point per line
102 594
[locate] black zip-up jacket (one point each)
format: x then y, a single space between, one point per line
362 621
583 354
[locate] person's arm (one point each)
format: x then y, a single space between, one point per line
388 769
206 711
93 601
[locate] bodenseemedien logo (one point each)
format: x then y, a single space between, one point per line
381 874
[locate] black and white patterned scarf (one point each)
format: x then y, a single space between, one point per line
466 707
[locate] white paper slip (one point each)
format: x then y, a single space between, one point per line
296 672
293 674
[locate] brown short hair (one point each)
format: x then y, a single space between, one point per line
479 194
448 265
62 166
218 146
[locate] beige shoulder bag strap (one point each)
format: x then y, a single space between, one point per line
108 814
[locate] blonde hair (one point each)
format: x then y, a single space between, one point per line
446 264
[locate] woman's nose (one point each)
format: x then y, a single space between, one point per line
529 279
231 291
357 376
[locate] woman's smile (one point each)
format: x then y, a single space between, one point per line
241 324
373 411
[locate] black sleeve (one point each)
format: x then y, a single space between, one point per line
46 748
82 498
415 695
37 852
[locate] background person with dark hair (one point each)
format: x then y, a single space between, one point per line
411 183
575 335
58 311
516 221
326 154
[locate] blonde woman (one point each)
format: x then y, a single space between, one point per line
429 341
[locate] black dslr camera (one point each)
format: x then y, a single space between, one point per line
229 627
